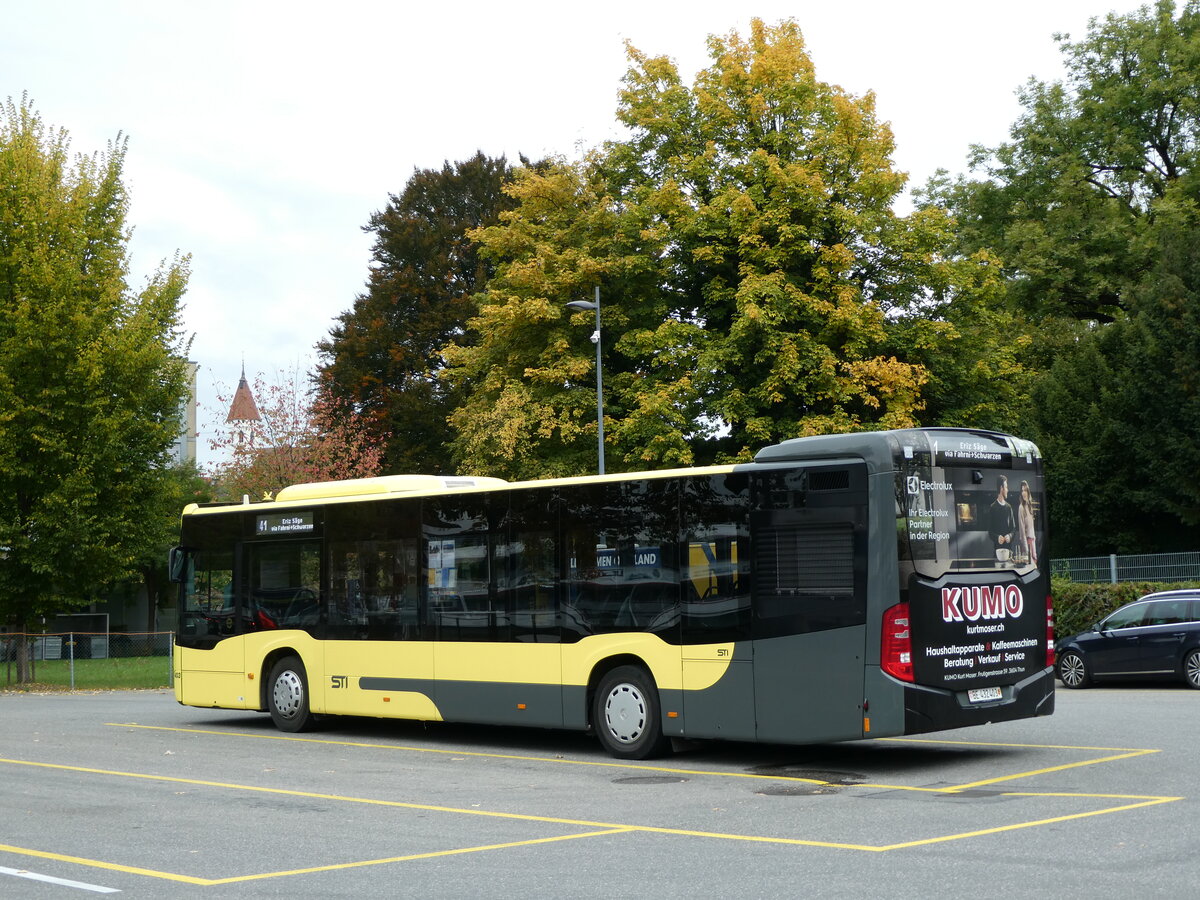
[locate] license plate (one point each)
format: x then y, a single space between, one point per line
982 695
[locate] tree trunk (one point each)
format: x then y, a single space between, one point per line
23 657
150 578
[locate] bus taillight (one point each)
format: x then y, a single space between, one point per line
896 648
1050 657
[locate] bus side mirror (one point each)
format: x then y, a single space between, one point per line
176 563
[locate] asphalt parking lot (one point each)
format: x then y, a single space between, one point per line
129 792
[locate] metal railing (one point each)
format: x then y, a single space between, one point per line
107 657
1135 567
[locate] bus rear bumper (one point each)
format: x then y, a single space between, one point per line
932 709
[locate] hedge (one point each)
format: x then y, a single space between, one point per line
1077 607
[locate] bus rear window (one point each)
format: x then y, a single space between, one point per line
968 502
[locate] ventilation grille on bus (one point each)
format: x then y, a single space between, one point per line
838 480
802 560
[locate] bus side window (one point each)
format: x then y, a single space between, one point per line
459 601
622 549
525 564
716 605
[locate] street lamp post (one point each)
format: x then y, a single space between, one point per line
586 304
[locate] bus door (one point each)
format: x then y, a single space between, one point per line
809 622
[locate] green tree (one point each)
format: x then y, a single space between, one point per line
1088 207
183 483
756 283
1161 410
382 356
1119 418
92 374
1069 201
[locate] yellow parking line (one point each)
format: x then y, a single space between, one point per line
1124 753
312 795
100 864
1019 825
596 829
207 882
605 764
1048 769
415 856
950 743
607 827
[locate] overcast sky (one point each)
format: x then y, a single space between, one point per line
262 135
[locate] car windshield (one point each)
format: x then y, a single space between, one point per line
1127 617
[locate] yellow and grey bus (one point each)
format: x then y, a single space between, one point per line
837 587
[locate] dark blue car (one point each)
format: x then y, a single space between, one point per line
1157 636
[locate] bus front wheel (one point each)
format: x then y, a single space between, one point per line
626 714
287 696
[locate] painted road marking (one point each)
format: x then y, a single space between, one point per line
1123 752
598 829
61 882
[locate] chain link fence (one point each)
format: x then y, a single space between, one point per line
75 659
1136 567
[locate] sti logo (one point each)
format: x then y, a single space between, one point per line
914 484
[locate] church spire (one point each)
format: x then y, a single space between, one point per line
243 408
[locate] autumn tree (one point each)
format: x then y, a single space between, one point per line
92 374
303 435
756 282
382 355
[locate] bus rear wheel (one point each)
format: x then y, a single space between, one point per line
287 696
626 714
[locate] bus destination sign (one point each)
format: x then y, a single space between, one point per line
287 523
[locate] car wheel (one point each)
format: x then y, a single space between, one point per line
1191 669
626 714
1073 671
287 696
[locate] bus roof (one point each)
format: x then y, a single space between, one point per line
873 447
365 489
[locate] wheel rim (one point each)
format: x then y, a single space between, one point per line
1071 671
1191 669
625 713
289 694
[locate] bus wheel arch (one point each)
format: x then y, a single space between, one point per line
264 675
626 711
288 695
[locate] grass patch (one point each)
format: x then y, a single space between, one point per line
132 673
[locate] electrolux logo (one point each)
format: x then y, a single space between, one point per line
915 485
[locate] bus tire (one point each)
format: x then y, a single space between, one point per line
287 696
1073 671
626 714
